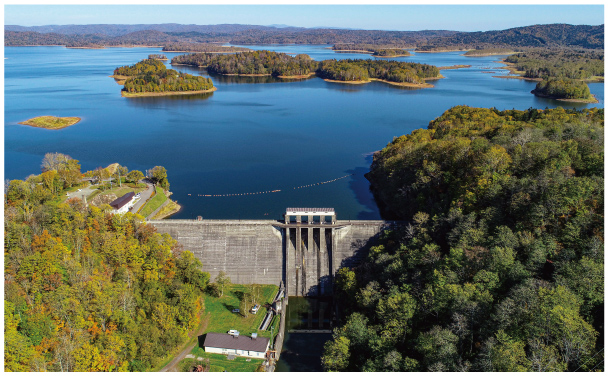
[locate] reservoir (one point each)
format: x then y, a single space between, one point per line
270 141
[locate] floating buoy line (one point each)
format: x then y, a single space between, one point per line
271 191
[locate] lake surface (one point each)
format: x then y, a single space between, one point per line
251 136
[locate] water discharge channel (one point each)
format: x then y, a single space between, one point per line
308 327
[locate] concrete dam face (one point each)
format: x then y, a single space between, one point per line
304 255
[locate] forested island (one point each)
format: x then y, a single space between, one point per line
51 122
150 77
501 264
385 51
390 71
201 47
285 66
157 56
564 89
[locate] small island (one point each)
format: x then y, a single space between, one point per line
51 122
564 89
151 78
379 51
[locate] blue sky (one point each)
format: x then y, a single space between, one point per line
385 17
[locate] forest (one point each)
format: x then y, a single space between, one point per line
365 69
151 75
88 291
572 64
251 63
555 35
563 88
500 263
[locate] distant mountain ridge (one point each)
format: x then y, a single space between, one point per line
552 35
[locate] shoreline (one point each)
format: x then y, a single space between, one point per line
298 76
31 124
207 52
163 94
402 84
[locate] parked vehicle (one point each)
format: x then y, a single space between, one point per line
255 309
233 332
235 310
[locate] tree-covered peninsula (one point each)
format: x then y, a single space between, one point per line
150 77
500 266
252 63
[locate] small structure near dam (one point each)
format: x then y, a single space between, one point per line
305 250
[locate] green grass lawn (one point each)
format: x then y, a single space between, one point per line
222 319
219 363
154 203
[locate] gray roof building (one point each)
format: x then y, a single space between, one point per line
120 202
227 341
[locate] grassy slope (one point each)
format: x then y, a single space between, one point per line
154 202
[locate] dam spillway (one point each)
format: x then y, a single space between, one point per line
305 255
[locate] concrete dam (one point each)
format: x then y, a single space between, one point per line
305 255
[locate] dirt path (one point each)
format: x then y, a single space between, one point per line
173 364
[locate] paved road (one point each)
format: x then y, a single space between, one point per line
144 195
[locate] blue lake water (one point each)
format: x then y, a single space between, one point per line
252 135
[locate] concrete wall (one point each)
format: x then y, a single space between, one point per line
248 251
264 252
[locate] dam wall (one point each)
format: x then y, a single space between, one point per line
305 256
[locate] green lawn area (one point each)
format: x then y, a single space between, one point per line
222 319
219 363
154 202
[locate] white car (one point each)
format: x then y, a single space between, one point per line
233 332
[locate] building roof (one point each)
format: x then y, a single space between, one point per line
120 202
245 343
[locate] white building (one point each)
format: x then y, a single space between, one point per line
245 346
122 204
